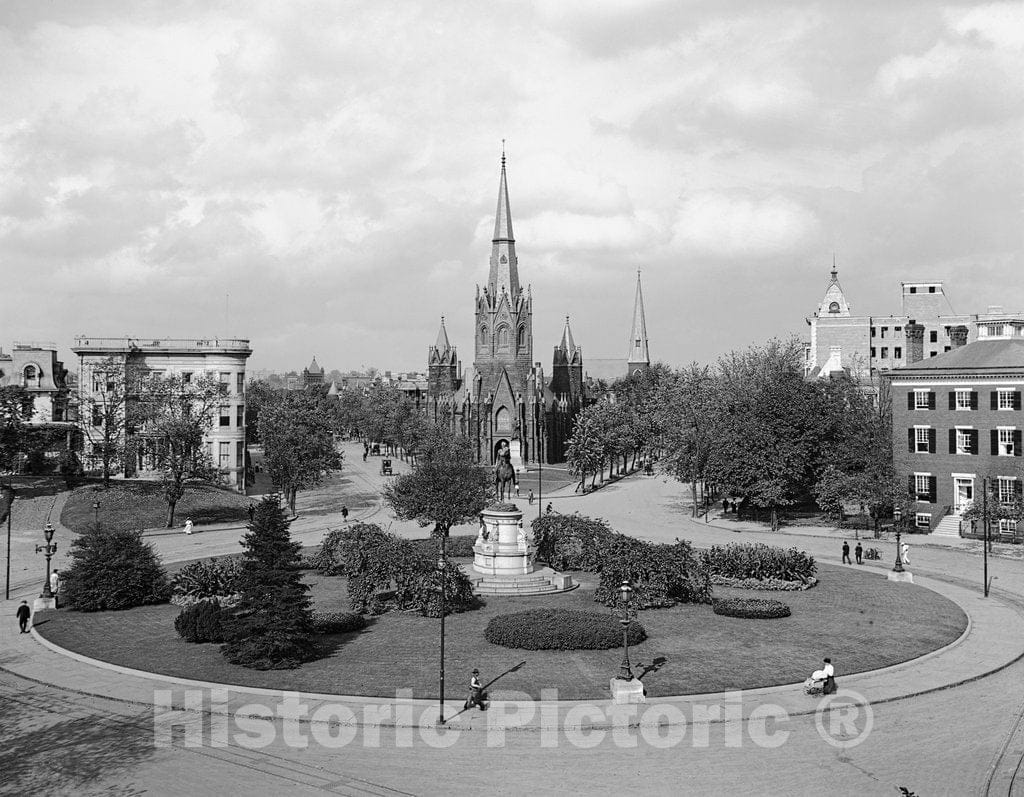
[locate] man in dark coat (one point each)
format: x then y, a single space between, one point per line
23 613
859 553
846 553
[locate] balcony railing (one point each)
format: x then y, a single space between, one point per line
160 344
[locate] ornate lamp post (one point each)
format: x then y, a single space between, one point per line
442 563
897 517
625 594
49 549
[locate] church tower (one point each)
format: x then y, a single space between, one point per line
503 359
639 360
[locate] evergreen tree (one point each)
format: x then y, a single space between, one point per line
271 627
113 569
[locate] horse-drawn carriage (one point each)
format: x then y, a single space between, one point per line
385 467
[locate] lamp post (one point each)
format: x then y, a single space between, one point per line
897 516
9 492
625 593
49 549
441 565
984 528
96 515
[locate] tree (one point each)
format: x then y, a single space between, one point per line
444 490
297 430
270 627
108 419
686 422
991 507
16 408
113 569
175 416
583 453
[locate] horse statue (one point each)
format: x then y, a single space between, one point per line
504 474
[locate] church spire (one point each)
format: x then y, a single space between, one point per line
568 345
639 355
442 345
504 273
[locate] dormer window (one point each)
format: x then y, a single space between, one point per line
833 307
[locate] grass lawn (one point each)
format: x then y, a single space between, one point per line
141 504
855 616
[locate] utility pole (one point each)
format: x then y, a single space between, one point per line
984 521
9 495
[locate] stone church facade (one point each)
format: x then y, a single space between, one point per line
505 397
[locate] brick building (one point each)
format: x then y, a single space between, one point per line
223 359
957 420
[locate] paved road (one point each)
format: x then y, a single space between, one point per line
946 742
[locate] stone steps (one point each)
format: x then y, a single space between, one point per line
949 526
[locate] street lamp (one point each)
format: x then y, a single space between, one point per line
625 594
49 549
96 514
441 565
897 516
9 494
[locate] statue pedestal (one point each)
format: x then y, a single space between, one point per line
43 603
503 562
627 691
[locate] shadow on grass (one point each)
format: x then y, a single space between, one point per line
326 645
654 666
71 754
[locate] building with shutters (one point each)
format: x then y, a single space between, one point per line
957 420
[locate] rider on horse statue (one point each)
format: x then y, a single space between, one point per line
505 480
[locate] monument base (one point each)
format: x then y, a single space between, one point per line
503 558
906 576
43 603
627 691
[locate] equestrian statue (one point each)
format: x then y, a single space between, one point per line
505 480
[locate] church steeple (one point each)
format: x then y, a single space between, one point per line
442 345
568 345
639 355
504 273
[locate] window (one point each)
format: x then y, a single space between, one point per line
922 440
225 415
913 289
483 336
931 289
225 381
1005 438
97 415
872 331
922 520
885 352
1006 400
240 416
833 307
897 329
186 377
1007 527
897 353
922 486
240 383
963 400
933 354
947 348
884 330
964 438
933 336
225 455
503 337
922 399
239 454
1006 489
873 351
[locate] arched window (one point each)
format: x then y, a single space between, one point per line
834 307
503 337
521 338
483 336
503 420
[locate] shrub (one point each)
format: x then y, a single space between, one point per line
661 575
750 608
571 542
459 546
270 628
113 569
213 578
760 561
337 622
560 629
766 584
201 622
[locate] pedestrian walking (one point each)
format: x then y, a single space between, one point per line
846 553
725 506
529 498
859 553
55 582
188 525
252 511
905 553
344 514
23 613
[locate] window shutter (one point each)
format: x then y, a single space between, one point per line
1016 444
910 400
911 438
931 441
911 488
931 400
952 399
1018 488
975 447
952 441
974 399
1016 399
933 484
993 399
994 438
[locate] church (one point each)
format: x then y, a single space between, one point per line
505 397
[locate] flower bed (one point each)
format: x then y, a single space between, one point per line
751 608
776 584
560 629
337 622
758 561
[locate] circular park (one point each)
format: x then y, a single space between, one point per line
726 618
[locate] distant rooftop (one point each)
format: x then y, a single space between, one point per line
996 354
85 344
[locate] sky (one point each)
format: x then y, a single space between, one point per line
321 177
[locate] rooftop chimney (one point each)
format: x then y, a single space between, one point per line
915 342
